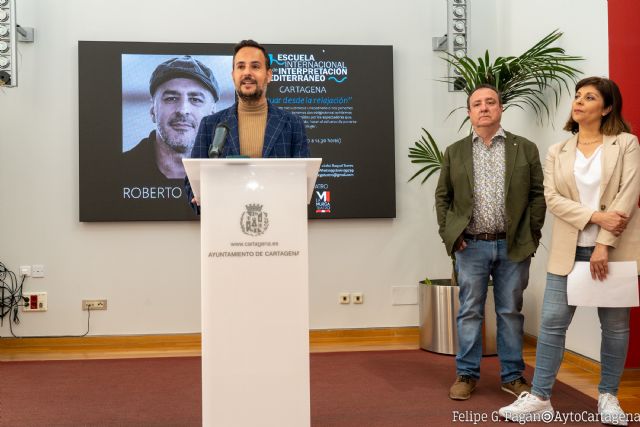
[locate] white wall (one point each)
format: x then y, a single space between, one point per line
149 272
585 34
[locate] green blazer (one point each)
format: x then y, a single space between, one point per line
524 195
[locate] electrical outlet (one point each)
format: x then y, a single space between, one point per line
94 304
344 298
34 301
357 297
25 270
37 270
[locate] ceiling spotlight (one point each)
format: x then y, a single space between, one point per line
459 84
10 34
458 11
456 41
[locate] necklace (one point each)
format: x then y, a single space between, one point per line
589 142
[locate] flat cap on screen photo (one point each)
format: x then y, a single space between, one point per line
185 67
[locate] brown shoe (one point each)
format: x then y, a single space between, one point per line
516 386
462 388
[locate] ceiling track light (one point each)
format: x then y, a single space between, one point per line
10 34
456 41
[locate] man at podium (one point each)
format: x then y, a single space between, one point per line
252 127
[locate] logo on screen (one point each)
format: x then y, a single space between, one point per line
254 221
323 201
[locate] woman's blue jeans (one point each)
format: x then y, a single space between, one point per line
556 318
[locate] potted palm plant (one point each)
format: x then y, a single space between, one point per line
523 81
530 80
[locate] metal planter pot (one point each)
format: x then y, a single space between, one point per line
439 305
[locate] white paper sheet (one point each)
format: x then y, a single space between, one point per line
619 289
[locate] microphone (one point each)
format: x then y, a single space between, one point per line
219 138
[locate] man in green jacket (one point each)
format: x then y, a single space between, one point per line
490 207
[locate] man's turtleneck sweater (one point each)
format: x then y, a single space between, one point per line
252 122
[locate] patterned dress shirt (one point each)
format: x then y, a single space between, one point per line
488 190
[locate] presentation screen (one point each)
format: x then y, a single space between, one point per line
137 120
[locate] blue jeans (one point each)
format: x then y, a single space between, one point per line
479 260
556 318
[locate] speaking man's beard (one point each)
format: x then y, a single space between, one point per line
250 97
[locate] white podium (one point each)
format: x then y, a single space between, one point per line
254 289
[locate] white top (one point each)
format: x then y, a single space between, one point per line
588 172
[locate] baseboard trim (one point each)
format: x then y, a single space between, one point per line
390 334
99 347
171 345
117 341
